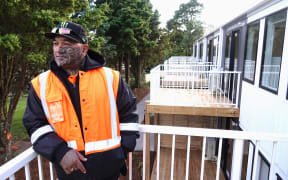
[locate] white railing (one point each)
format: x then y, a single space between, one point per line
9 169
199 66
237 136
188 85
181 60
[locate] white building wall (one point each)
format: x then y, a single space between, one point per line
263 111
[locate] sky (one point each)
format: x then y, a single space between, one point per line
215 12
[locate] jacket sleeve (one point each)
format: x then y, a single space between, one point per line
128 117
44 140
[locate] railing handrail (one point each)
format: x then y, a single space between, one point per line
12 166
216 133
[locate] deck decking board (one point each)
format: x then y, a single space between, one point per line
195 110
192 102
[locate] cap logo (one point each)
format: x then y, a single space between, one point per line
64 31
64 25
54 30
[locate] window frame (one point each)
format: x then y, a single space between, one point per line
278 177
228 40
264 49
260 155
245 53
201 50
287 93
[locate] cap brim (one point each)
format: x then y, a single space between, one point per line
51 35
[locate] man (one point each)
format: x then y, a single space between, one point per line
75 111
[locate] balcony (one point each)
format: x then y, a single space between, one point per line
198 168
200 88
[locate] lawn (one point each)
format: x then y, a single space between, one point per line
18 130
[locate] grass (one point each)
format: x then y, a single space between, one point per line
18 130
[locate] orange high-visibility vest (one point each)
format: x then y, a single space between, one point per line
98 92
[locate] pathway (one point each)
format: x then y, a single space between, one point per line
141 113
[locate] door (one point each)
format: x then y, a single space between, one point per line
231 64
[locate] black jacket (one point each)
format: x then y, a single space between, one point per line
52 147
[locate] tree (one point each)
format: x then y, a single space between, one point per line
128 30
184 28
147 53
24 51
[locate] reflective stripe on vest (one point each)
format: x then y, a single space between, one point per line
43 80
109 77
39 132
94 145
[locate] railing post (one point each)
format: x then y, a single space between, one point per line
27 172
238 89
130 166
274 150
51 171
238 147
40 167
147 146
144 157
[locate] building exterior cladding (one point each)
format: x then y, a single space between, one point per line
256 43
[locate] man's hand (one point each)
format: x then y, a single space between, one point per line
71 161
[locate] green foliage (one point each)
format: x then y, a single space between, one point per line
91 19
184 28
36 58
129 25
24 51
9 43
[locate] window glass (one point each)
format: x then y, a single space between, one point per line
215 49
201 51
287 93
274 38
251 51
236 49
262 168
227 51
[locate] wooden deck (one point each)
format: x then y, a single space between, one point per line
180 166
171 101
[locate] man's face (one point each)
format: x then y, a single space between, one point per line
68 54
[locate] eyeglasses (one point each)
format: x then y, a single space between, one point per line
61 30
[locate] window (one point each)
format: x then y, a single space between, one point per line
215 49
287 93
201 51
227 52
278 177
272 51
262 168
251 51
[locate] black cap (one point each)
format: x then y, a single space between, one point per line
69 30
